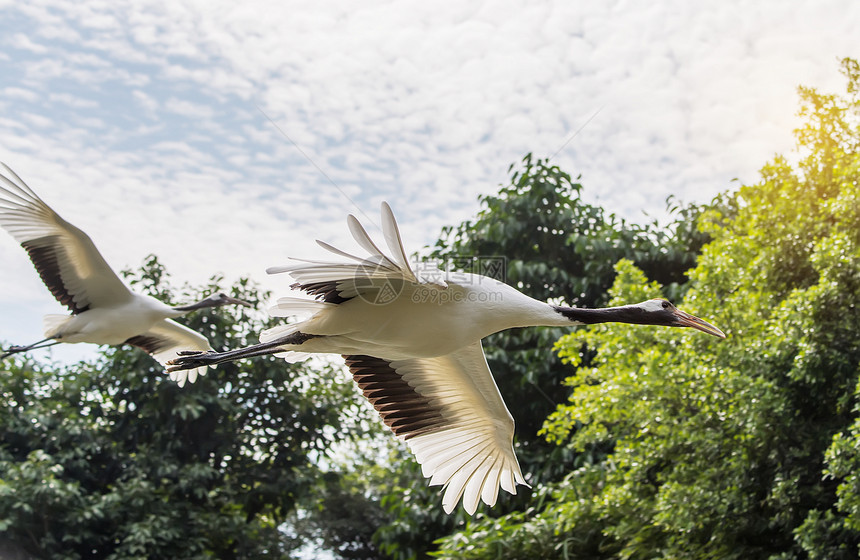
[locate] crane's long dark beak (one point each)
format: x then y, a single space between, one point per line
686 320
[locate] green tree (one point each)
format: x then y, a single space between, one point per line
743 448
344 510
112 460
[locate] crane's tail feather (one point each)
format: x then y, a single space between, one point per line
293 357
52 324
279 331
293 306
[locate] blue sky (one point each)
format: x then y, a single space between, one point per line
225 136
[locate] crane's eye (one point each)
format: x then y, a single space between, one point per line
666 305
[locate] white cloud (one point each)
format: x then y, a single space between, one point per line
23 42
13 92
188 109
148 102
72 101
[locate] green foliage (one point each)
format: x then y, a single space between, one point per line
343 519
343 510
743 448
112 460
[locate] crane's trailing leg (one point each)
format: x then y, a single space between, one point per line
189 360
44 343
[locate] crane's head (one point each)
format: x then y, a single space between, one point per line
661 312
215 300
652 312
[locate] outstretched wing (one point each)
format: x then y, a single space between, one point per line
165 340
449 411
336 282
65 257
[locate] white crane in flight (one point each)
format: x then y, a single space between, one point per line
104 310
413 344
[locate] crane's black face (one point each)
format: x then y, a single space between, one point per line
661 312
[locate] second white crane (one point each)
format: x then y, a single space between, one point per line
104 310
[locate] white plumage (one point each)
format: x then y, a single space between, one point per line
413 344
104 310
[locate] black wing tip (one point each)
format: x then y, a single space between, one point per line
406 412
43 255
148 343
323 291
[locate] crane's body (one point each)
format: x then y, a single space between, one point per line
468 310
413 345
110 325
104 310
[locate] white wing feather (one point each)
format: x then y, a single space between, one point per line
337 251
395 244
472 453
353 278
362 238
